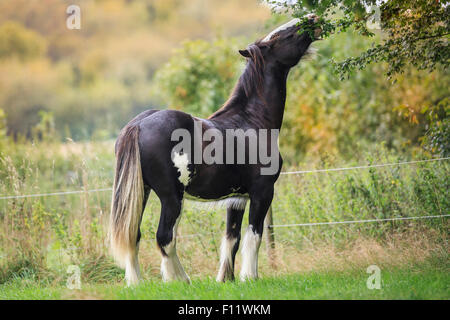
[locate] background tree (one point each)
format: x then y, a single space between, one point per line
412 34
200 75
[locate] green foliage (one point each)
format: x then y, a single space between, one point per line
18 42
360 194
45 129
413 36
199 76
415 32
326 116
437 138
2 127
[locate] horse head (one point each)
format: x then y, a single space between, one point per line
286 44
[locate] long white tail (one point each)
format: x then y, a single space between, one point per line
127 198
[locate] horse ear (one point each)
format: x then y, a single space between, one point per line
245 53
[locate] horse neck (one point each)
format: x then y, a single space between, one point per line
263 108
274 95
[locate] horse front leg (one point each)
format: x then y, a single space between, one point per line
230 244
259 204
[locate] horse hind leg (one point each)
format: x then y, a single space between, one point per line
230 244
132 270
166 236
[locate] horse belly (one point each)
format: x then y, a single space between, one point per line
215 183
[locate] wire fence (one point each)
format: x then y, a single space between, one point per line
355 221
312 224
366 167
61 193
272 226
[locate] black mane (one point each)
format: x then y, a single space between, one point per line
251 81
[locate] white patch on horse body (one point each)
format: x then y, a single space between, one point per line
181 163
226 261
291 23
250 247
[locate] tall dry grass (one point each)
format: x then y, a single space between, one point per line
40 237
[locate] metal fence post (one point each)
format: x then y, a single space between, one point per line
270 238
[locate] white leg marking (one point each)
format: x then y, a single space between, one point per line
171 268
132 271
226 261
250 247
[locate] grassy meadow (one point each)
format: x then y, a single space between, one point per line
420 281
42 236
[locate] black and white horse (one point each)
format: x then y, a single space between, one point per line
147 159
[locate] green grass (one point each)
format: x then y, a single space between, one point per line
428 280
